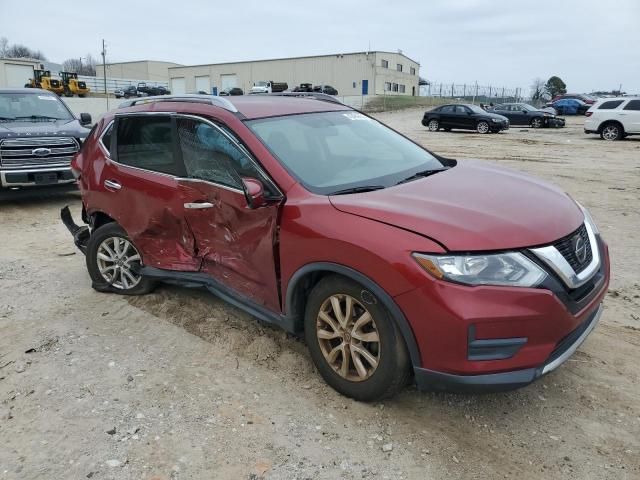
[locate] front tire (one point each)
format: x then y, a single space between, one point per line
433 125
611 131
354 342
113 260
537 123
482 127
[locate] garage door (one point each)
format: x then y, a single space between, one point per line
178 86
228 81
18 75
203 84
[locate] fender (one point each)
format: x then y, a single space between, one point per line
384 297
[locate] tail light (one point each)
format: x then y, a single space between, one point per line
588 114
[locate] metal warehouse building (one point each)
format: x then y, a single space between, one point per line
151 70
359 73
15 72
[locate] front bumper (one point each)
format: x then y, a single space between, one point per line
488 338
35 177
497 382
556 122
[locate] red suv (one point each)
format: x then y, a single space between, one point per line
391 260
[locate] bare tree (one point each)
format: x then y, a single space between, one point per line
538 92
4 45
22 51
81 65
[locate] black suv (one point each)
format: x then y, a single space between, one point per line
466 117
38 137
525 114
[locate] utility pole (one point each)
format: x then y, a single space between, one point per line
104 72
80 68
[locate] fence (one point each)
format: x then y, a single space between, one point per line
96 84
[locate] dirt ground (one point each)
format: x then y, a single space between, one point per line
180 385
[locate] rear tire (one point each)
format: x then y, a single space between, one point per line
433 125
354 342
611 131
112 260
483 127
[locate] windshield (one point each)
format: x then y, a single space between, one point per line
333 151
526 106
27 106
260 84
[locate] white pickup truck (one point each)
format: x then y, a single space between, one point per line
268 87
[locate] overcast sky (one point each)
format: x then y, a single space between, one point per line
591 45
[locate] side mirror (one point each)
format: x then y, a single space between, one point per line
85 119
524 111
254 191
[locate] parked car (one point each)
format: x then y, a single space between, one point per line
525 114
328 89
231 91
614 118
268 87
393 262
127 92
38 137
303 87
588 99
466 117
570 106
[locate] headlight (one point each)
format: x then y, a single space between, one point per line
495 120
589 219
506 269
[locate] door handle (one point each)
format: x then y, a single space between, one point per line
112 185
198 205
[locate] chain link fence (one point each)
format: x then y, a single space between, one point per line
435 94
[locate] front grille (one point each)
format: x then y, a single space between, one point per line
566 246
19 152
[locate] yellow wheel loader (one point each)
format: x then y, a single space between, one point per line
72 86
42 79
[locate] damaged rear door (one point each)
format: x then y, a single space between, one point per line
236 244
140 189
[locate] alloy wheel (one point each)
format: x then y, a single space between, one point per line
348 337
536 123
116 258
433 126
610 132
483 127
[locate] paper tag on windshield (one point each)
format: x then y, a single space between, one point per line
46 97
355 116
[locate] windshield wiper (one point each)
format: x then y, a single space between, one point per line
361 189
422 174
39 116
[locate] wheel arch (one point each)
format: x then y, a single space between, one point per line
306 277
607 122
98 219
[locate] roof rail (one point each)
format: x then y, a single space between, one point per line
187 97
324 97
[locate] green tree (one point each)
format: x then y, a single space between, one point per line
555 86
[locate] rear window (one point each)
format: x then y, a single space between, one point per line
147 142
632 105
610 105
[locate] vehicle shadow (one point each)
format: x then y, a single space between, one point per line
34 196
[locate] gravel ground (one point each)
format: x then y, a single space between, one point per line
180 385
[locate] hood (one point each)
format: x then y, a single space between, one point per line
60 128
473 206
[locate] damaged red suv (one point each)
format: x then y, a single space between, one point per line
393 262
